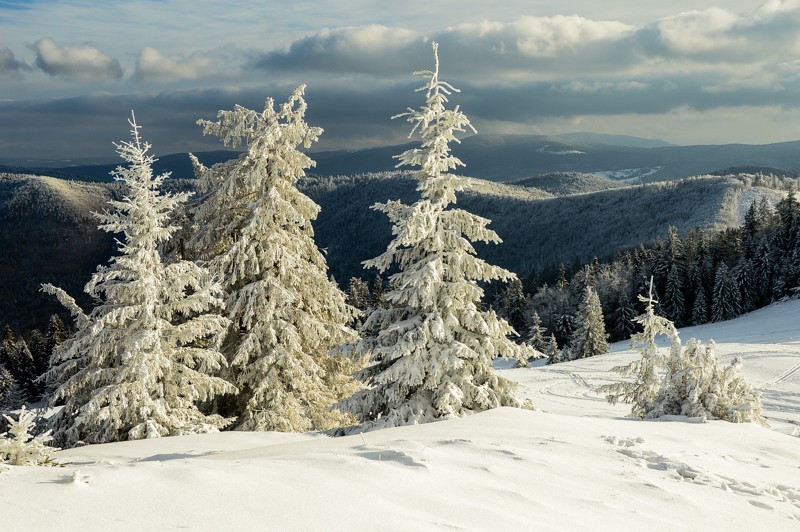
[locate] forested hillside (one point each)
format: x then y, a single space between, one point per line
567 183
539 231
49 235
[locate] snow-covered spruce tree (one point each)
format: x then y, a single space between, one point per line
536 334
142 359
589 338
552 351
255 232
430 351
11 395
358 293
19 447
643 390
696 386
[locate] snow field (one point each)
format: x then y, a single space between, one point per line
576 464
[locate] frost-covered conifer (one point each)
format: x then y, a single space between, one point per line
430 352
19 447
514 305
552 352
255 232
358 293
695 386
589 338
142 359
536 334
11 396
643 390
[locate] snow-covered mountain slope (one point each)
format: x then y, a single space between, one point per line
576 464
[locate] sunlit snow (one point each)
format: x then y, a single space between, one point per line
576 464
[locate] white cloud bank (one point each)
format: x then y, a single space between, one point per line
152 65
79 63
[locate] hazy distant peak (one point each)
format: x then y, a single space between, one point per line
614 140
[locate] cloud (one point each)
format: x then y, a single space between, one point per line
152 65
714 35
372 49
9 65
538 48
79 63
538 37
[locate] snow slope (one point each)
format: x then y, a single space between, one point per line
576 464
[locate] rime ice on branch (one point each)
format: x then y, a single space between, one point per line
142 359
254 229
430 352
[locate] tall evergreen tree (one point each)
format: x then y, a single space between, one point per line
9 390
41 357
358 294
624 318
56 333
256 232
726 304
565 327
430 352
745 278
24 370
552 351
674 306
589 338
141 360
700 312
514 306
536 334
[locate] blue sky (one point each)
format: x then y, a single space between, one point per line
683 71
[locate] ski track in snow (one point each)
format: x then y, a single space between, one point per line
783 376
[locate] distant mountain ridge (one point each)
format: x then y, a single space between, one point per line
508 158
